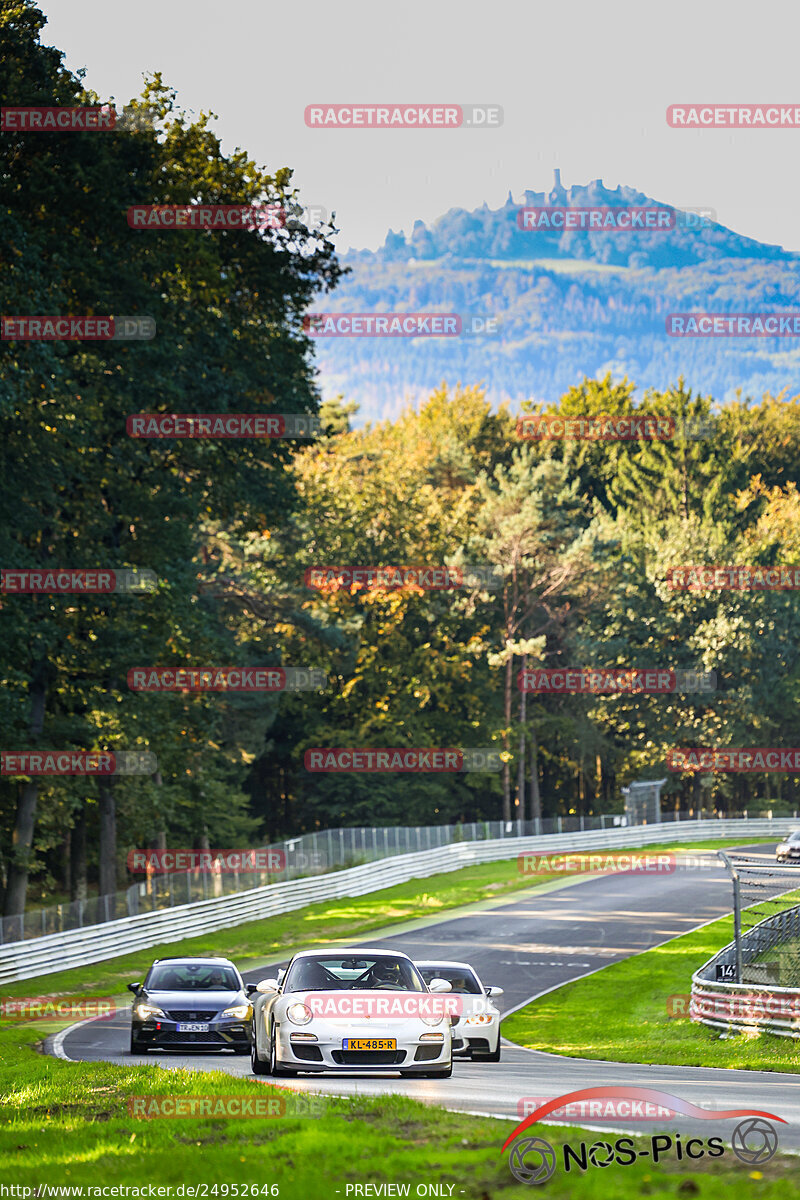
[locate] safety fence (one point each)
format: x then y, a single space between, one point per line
309 854
95 943
753 983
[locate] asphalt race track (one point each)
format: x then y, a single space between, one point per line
529 945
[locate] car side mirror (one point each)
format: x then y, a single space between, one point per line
267 985
249 988
494 991
440 985
135 988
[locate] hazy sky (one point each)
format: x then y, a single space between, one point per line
583 86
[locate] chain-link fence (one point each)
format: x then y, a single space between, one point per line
309 854
766 909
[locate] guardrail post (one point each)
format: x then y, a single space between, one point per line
737 927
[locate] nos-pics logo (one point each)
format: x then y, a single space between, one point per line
534 1160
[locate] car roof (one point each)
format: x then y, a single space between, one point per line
444 962
190 958
348 952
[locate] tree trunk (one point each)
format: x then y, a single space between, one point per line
66 860
22 837
107 854
521 769
507 712
535 800
77 885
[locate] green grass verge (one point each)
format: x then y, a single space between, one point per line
68 1124
620 1014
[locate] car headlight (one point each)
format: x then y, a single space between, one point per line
240 1011
783 846
145 1011
299 1014
432 1020
479 1019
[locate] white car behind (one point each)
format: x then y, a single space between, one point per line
476 1033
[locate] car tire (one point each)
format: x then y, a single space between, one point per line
493 1057
136 1047
274 1069
258 1065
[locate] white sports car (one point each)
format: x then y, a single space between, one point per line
476 1032
351 1010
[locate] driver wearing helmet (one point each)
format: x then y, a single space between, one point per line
386 972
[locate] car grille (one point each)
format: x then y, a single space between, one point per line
426 1053
308 1053
368 1058
180 1039
191 1014
478 1044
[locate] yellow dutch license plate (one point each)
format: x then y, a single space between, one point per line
369 1043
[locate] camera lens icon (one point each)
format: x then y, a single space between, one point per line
754 1141
532 1160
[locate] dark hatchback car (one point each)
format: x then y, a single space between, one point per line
197 1003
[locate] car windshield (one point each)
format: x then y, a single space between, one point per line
794 837
464 982
330 973
192 977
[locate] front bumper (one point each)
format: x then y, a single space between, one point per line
163 1033
413 1054
483 1037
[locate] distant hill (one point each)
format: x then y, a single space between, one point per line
568 304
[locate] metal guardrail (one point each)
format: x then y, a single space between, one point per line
60 951
754 999
306 854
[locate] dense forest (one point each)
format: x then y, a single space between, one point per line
581 537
